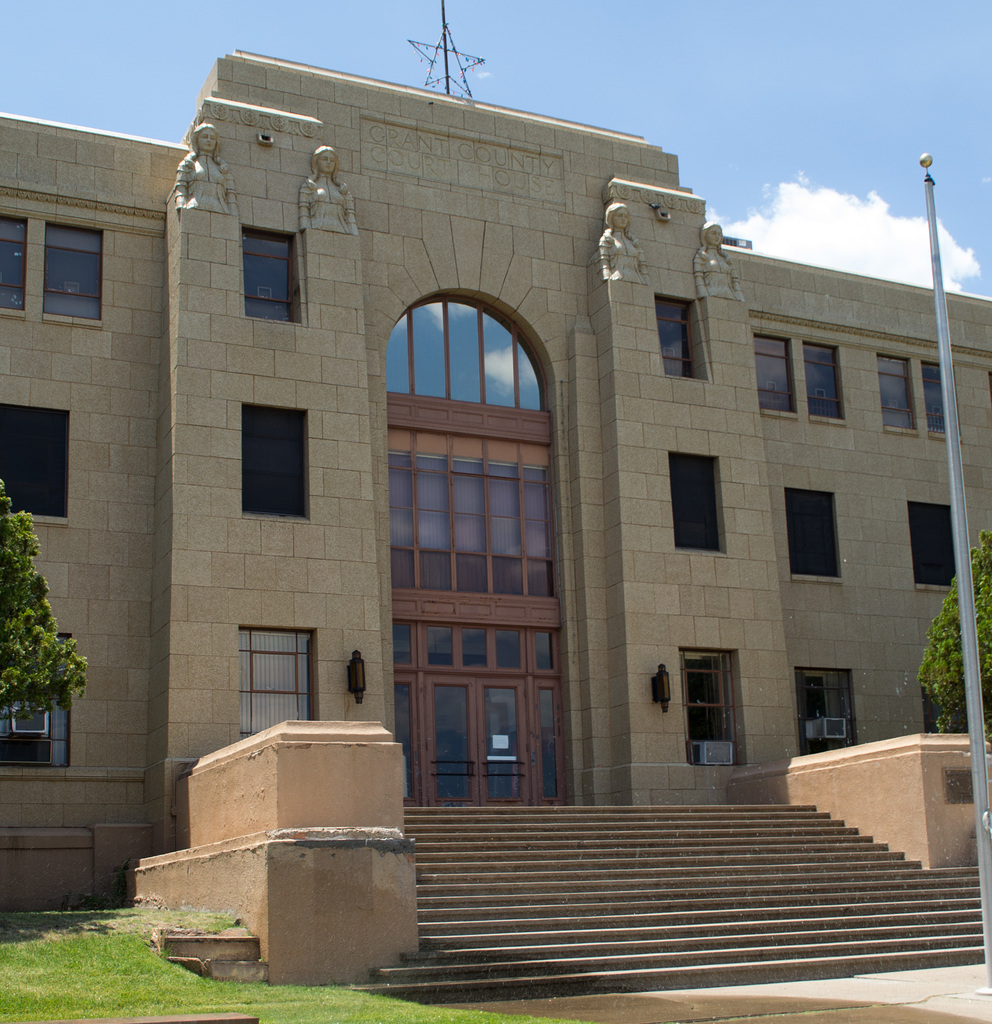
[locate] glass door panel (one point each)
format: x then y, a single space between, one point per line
453 767
503 765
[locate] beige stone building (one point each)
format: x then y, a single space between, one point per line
475 396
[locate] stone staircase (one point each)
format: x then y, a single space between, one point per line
523 902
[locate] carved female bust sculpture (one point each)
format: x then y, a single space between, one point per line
714 271
619 251
325 201
203 180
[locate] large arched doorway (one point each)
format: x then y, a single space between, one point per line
475 608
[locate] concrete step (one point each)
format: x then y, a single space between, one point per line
555 918
440 990
961 922
233 955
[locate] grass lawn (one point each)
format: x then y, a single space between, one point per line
100 964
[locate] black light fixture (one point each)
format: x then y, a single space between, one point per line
356 676
661 690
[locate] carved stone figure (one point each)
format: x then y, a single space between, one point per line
325 200
714 271
203 180
619 251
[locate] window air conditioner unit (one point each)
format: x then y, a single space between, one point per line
712 752
35 725
826 729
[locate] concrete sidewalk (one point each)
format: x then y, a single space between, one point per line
946 995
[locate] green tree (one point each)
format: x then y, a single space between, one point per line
942 670
37 670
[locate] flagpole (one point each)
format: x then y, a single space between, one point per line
966 591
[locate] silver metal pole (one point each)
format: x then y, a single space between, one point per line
966 591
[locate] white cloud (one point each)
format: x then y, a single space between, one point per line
499 370
831 229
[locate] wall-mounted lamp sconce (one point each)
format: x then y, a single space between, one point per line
661 689
356 676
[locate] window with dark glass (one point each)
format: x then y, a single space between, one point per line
826 709
273 461
12 237
41 738
268 273
35 739
673 334
771 364
893 386
463 351
812 538
275 678
708 697
822 390
476 519
694 514
34 447
73 267
933 398
932 542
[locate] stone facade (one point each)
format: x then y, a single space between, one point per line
155 568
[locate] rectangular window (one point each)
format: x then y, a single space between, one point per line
12 237
932 542
771 363
273 461
673 334
893 386
708 696
693 483
822 390
469 521
933 398
275 678
41 739
812 539
34 445
73 270
268 271
826 710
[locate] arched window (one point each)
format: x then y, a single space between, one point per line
462 351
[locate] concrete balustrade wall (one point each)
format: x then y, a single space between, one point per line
912 793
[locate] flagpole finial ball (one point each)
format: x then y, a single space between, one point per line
926 160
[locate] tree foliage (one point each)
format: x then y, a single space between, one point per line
37 670
942 670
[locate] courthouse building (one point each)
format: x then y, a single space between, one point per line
365 368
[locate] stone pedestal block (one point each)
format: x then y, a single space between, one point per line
298 831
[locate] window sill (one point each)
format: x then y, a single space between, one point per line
937 435
784 414
837 421
72 321
889 428
11 311
50 520
699 551
809 578
278 516
933 588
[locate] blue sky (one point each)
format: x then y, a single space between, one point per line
801 124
